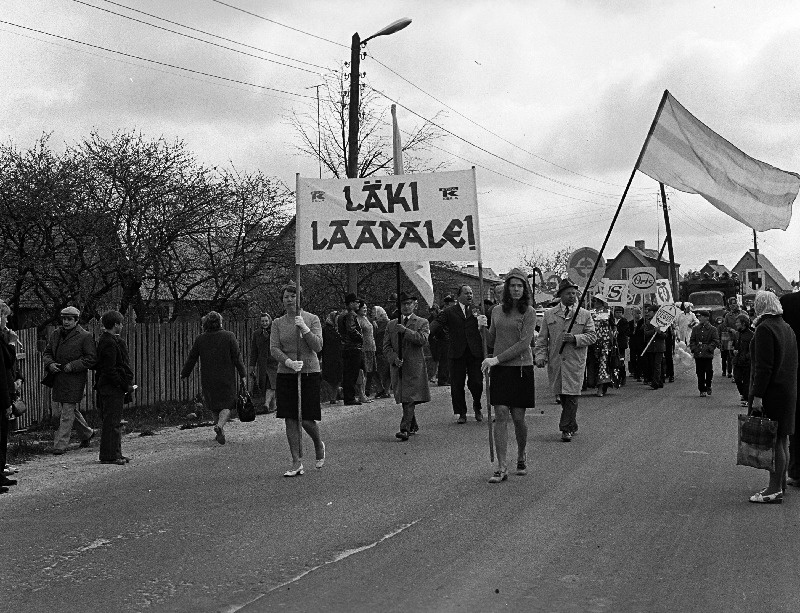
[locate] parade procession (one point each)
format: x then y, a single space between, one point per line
292 323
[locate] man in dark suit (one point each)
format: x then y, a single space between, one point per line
464 352
791 315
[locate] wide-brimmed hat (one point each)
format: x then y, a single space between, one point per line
406 296
565 284
71 311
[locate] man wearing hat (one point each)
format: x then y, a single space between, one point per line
702 343
69 354
566 368
464 354
408 368
352 348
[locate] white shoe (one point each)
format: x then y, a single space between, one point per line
321 462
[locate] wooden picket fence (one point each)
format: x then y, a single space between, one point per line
157 354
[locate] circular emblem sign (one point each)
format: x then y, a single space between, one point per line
580 266
665 316
643 280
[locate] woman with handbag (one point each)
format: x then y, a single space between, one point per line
220 362
773 388
298 357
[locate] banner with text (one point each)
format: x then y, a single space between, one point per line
396 218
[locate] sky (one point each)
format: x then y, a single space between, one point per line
550 100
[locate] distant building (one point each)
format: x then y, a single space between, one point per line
713 267
638 256
773 279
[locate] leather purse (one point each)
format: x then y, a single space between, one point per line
49 379
245 407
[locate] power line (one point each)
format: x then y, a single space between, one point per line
189 36
278 23
144 59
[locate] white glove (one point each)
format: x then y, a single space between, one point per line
483 321
295 365
488 363
298 321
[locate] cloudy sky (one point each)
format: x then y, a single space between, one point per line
554 97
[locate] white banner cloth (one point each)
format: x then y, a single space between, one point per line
399 218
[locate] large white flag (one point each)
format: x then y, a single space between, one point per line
685 154
418 272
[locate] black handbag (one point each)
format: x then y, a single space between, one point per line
245 407
757 436
49 379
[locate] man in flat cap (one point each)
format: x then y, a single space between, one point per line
566 368
69 354
352 348
703 342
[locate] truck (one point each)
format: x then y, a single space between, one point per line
709 292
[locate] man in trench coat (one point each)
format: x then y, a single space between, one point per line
566 369
409 373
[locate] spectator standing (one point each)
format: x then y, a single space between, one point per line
465 353
352 348
636 343
331 356
685 321
702 343
654 354
11 382
565 368
69 355
113 382
791 315
409 372
727 335
443 341
5 404
773 392
263 367
623 334
741 356
382 371
368 359
220 362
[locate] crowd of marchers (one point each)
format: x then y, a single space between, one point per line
298 362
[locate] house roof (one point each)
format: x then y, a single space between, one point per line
647 257
769 268
720 268
488 273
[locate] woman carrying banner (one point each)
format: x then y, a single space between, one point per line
510 369
773 392
284 347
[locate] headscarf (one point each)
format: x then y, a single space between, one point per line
766 303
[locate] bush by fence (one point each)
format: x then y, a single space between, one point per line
157 353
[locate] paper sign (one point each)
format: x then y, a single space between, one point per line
642 280
663 292
616 292
665 316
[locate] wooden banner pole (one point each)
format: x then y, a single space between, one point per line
486 377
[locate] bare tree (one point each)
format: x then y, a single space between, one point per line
328 141
555 261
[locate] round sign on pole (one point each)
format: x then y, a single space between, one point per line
580 265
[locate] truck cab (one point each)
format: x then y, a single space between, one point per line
711 300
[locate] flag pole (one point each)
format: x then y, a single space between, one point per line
619 208
486 378
673 277
297 340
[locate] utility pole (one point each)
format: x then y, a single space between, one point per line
755 247
673 278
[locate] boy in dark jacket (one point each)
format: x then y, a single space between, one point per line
703 343
114 381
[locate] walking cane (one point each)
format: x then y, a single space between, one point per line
299 373
486 379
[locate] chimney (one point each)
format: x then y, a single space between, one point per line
713 262
639 244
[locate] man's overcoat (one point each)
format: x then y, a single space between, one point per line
565 369
410 385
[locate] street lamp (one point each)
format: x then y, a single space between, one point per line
352 140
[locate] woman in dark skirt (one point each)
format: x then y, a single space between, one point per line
511 368
331 356
773 387
284 346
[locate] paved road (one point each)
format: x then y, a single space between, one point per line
644 511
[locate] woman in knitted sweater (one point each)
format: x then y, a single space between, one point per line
294 357
511 368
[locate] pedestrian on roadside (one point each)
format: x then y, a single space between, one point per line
702 343
436 346
409 372
295 357
565 368
220 362
623 336
5 403
114 383
510 369
443 340
11 381
464 354
686 320
368 354
773 392
654 353
352 348
263 367
331 359
741 356
791 315
727 335
69 355
382 370
636 344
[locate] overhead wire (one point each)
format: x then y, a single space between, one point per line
144 59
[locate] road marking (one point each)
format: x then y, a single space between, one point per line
337 558
700 452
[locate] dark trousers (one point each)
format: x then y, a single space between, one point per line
727 361
351 364
569 413
704 367
109 406
741 376
409 419
443 371
669 364
794 455
467 369
655 363
5 426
